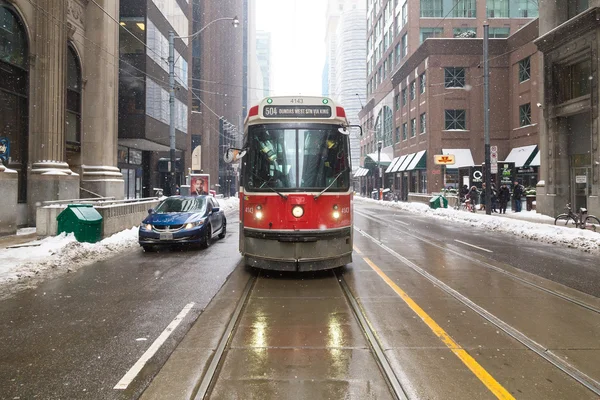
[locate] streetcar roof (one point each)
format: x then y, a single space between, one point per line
294 109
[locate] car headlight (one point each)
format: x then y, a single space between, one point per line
297 211
148 227
191 225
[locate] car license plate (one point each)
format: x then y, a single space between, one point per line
166 236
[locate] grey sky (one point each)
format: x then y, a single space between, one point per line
298 43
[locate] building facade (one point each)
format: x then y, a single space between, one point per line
219 81
263 53
58 100
425 91
570 158
346 54
144 114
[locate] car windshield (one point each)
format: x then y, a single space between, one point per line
287 158
177 205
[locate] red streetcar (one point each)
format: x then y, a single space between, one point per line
295 189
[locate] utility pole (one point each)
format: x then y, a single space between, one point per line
172 112
486 120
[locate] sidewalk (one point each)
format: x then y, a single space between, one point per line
23 236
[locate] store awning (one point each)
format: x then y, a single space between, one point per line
406 161
384 159
392 165
399 163
521 155
418 162
462 158
536 160
361 172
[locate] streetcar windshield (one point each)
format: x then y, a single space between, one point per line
292 158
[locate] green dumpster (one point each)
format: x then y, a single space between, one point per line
83 220
438 202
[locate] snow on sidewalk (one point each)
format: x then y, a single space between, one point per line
25 267
528 225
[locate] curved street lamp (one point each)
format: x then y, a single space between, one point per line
235 21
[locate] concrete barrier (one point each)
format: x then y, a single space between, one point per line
8 211
116 215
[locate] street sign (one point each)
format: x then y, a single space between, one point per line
494 156
494 168
443 159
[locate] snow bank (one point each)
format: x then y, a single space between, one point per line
528 225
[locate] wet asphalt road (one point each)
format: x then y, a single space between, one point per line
297 337
75 337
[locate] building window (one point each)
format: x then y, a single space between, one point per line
413 90
385 68
455 120
423 181
432 9
524 69
405 13
387 126
527 9
464 9
454 77
397 135
575 80
499 33
398 54
525 114
464 32
404 131
575 7
413 127
422 124
397 102
497 8
405 45
391 61
426 33
73 103
422 83
403 97
14 93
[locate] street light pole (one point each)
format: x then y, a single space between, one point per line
486 120
379 145
171 60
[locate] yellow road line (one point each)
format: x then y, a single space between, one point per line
488 380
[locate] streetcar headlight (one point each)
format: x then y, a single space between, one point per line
297 211
336 214
335 206
259 207
259 214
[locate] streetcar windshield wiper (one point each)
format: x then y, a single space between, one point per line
331 184
264 182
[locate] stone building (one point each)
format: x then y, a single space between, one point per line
58 99
569 39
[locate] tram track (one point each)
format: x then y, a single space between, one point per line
529 343
485 264
207 382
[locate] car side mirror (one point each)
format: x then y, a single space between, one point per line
151 211
215 210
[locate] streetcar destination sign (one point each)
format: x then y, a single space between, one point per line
294 111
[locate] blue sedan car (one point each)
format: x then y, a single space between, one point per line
183 220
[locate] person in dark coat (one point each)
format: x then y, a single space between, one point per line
503 198
494 199
517 194
473 196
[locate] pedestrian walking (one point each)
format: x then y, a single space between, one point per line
503 198
517 194
473 197
494 199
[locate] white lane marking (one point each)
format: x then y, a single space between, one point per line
402 222
137 367
472 245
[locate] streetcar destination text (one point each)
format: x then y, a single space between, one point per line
297 111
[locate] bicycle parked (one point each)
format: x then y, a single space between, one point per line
580 220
